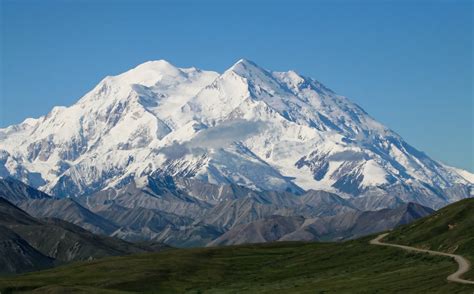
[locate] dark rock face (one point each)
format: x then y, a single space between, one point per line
28 244
16 191
17 255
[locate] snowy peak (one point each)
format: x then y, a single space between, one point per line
245 67
301 100
258 79
280 82
248 126
150 73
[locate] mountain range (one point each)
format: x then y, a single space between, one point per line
165 214
248 126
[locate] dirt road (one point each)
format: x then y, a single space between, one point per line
464 264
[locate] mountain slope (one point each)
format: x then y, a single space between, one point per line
188 213
270 229
139 224
17 256
248 126
16 191
343 226
31 244
449 230
69 210
370 222
165 212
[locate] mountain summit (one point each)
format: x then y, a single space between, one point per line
249 126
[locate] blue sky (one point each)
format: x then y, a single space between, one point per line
409 64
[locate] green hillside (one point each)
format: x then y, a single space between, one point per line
350 267
450 229
290 267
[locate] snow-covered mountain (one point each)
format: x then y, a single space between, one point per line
249 126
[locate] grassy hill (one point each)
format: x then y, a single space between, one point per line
450 229
297 267
283 267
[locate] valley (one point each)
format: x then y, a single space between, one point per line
349 267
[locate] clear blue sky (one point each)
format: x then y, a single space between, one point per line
409 64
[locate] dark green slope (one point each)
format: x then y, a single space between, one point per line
451 229
350 267
296 267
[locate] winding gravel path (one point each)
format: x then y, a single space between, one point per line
464 264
